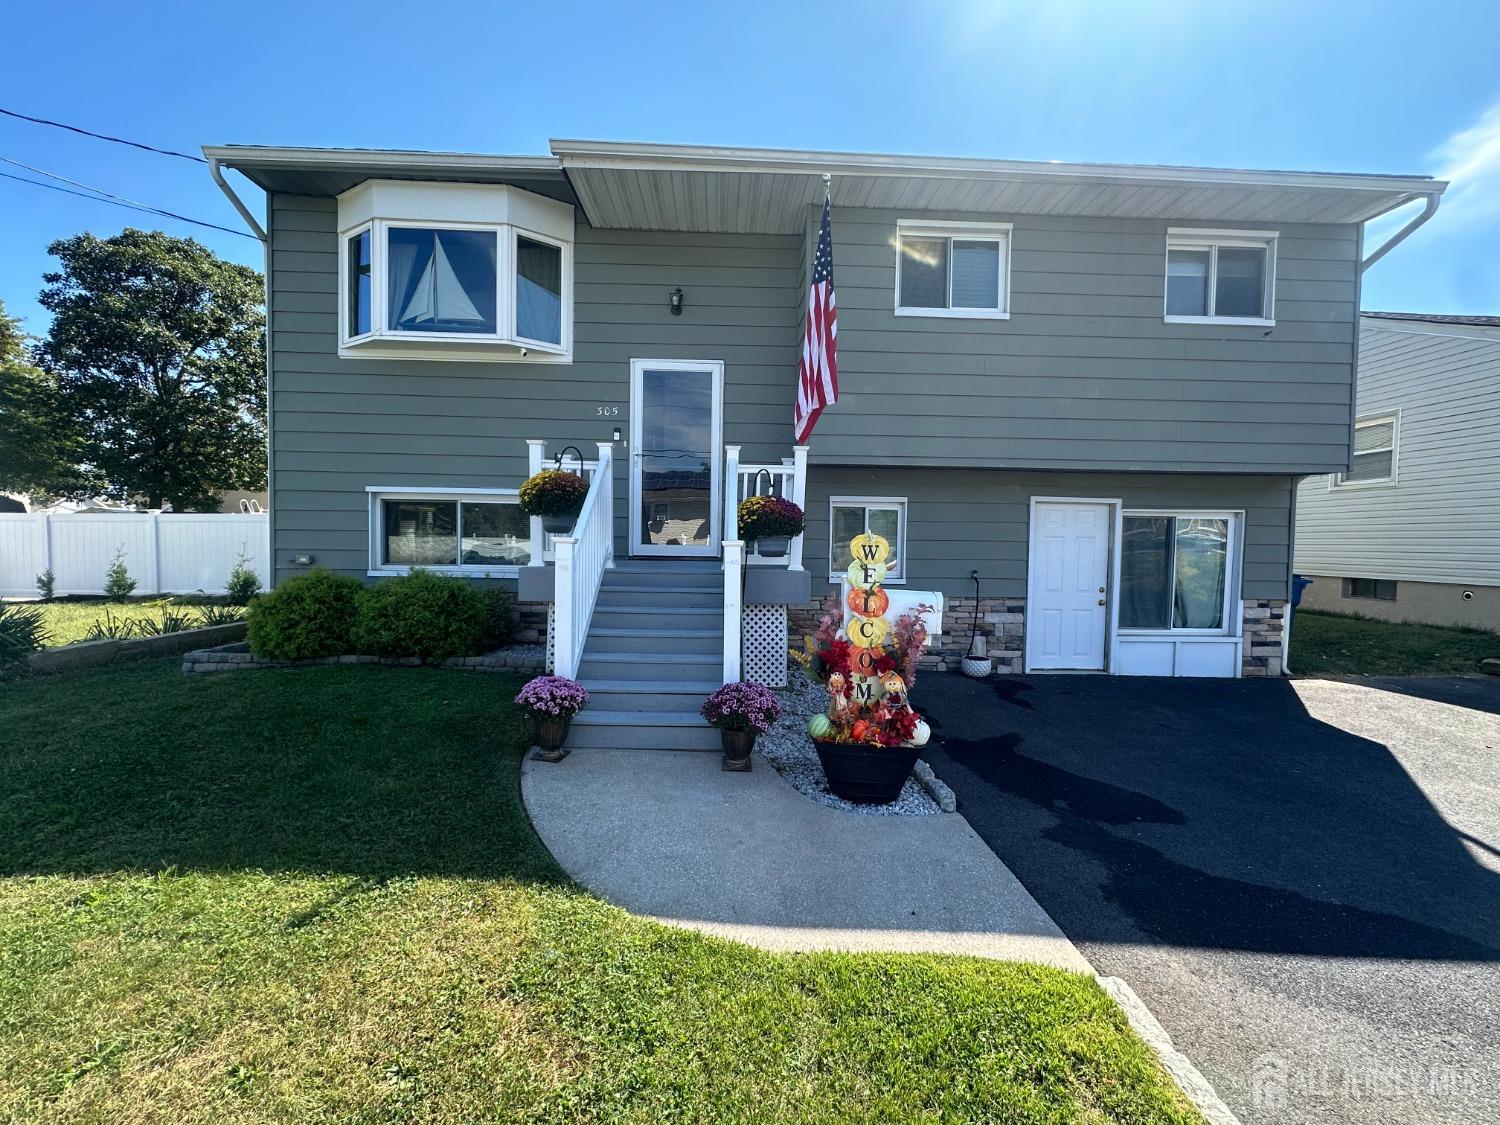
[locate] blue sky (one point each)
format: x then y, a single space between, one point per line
1368 87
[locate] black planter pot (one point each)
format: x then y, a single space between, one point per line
866 775
559 525
551 731
737 745
773 546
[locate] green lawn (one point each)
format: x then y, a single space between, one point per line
68 619
313 894
1335 644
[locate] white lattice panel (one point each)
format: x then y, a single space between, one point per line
765 645
551 639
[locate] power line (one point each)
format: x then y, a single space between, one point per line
104 136
121 203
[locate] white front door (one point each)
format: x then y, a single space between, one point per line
1067 599
676 456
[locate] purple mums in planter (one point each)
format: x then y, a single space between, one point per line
553 695
742 706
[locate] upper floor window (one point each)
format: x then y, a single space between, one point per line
455 271
1221 276
953 269
1374 460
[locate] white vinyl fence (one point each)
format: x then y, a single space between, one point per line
165 553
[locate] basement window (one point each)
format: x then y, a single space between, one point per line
470 531
1379 589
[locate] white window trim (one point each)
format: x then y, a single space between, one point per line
1393 417
485 347
377 493
1203 238
868 502
1232 577
980 232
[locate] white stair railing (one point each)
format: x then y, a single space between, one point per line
581 558
734 564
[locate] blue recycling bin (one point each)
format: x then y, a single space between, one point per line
1298 585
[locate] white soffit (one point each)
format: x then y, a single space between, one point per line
767 191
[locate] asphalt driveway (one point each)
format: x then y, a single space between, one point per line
1301 878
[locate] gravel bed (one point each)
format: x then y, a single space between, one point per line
788 747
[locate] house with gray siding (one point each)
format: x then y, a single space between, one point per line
1077 399
1411 531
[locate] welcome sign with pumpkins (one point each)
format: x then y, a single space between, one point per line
869 736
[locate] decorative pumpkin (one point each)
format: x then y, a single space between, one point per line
869 547
820 727
860 730
865 575
862 661
921 734
868 603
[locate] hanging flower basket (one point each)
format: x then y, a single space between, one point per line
556 496
770 522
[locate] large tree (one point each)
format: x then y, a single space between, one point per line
159 348
40 447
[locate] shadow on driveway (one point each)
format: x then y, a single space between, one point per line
1212 814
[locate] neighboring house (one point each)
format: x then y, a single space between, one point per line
1095 387
1411 532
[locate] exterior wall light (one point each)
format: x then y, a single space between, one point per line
674 301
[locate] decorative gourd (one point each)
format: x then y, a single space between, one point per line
820 727
860 730
923 732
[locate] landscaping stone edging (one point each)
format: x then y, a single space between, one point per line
92 654
520 659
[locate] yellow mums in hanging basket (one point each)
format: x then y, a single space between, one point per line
553 492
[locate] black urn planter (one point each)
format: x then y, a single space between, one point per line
559 525
773 546
737 745
866 775
551 731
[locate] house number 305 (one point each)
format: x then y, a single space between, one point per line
606 411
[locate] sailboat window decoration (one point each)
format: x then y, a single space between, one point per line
442 280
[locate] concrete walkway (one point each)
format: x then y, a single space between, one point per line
670 835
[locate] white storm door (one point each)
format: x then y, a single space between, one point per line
1067 601
676 457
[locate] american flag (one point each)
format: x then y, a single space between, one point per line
818 374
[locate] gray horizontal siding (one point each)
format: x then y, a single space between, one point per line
341 425
1440 522
960 520
1085 374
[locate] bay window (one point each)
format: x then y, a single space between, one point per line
1177 572
476 531
455 271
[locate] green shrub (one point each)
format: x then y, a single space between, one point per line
243 582
112 628
210 615
422 614
46 584
499 617
308 616
118 584
22 632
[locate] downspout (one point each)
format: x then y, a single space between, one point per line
1400 236
215 170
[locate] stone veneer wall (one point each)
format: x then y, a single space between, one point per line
1264 622
1002 622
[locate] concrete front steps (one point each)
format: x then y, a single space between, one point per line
654 652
